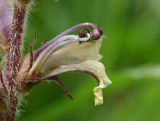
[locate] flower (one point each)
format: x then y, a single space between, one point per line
69 52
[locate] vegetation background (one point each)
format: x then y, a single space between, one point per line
131 56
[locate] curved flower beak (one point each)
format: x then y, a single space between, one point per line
79 52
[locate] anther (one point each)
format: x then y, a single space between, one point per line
83 33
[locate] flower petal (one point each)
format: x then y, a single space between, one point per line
89 66
54 52
73 54
92 67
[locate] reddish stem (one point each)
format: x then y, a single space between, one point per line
13 60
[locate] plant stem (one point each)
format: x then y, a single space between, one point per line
13 62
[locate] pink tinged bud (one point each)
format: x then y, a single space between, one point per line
5 18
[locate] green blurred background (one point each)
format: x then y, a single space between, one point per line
131 56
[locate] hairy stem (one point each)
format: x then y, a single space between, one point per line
13 61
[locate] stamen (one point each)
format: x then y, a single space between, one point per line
83 33
88 36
